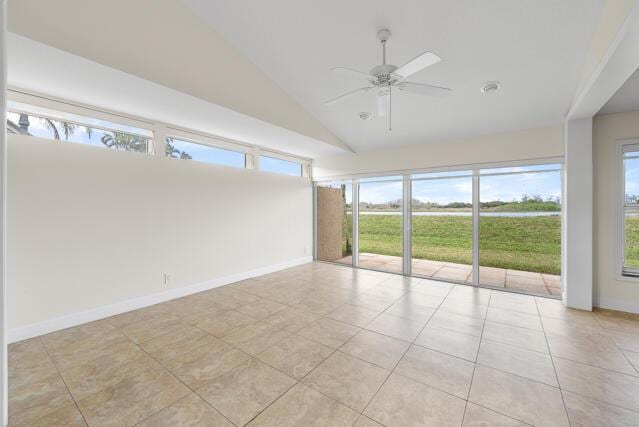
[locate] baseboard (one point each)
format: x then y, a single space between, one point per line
619 305
63 322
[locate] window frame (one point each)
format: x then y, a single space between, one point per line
80 110
159 131
85 119
305 165
621 272
205 141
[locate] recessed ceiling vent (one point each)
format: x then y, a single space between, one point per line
491 87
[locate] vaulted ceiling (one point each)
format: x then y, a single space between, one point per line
535 48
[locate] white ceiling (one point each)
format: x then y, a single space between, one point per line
535 48
626 98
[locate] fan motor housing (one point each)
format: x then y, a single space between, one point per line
384 74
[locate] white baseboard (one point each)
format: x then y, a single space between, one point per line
63 322
619 305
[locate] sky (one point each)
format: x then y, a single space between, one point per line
443 191
631 170
207 154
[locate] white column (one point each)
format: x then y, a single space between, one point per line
3 209
577 219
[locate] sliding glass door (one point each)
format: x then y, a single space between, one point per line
520 229
380 224
442 226
498 227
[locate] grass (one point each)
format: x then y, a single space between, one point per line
632 242
524 243
527 206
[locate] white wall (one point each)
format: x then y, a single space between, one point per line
91 227
521 145
610 292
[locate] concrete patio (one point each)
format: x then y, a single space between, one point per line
525 281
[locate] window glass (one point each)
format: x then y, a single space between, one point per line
442 228
286 167
380 226
631 213
520 232
49 124
181 149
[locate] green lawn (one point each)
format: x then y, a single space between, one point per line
530 244
632 242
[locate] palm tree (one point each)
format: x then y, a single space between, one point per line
67 128
171 151
125 141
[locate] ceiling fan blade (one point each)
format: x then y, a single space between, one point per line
416 64
346 95
353 73
424 89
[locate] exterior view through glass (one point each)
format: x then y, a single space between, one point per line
520 231
380 225
442 228
514 212
631 212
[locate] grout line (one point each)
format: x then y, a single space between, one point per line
392 371
182 382
481 338
63 382
274 400
179 400
552 360
497 412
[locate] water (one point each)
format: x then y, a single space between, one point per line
495 214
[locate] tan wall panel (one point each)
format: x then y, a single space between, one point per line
330 218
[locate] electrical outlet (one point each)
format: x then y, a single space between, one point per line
167 278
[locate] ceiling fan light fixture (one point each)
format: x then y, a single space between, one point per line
384 77
491 88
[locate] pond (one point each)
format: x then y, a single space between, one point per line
495 214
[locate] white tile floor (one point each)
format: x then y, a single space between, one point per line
323 344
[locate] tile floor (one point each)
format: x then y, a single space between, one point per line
517 280
328 345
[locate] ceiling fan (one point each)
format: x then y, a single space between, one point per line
384 77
